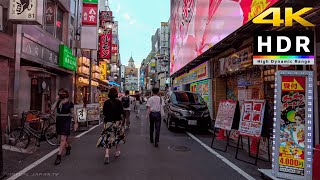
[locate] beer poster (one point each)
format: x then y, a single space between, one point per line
293 125
292 135
225 114
251 119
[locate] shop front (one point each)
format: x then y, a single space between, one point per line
197 80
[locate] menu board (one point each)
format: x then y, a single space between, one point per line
81 113
252 118
93 112
225 114
292 125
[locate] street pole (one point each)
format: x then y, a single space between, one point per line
90 77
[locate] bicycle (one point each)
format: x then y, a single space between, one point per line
20 137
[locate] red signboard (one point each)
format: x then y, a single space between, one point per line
105 16
105 44
50 13
114 48
225 114
89 14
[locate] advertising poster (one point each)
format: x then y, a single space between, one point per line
196 26
252 118
93 112
225 114
292 125
81 113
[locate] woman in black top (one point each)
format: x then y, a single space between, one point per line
113 132
63 121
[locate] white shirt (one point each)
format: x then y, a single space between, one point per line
131 99
154 103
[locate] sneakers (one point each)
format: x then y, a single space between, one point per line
58 160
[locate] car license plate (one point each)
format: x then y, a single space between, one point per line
192 122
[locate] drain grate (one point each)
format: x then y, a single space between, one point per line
179 148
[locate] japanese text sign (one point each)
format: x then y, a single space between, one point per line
26 11
105 44
251 120
66 59
114 48
225 114
293 125
50 13
105 16
103 67
89 14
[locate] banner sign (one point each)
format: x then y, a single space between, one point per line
251 119
105 16
293 125
89 14
225 114
105 44
103 67
199 73
50 13
66 58
114 49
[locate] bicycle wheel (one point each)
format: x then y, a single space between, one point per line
51 135
19 138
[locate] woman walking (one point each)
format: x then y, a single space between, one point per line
64 115
113 133
137 103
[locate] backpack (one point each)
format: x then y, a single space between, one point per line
125 101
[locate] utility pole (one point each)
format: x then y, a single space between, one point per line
2 175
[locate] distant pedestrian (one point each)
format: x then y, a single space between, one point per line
154 108
127 103
64 115
138 102
113 133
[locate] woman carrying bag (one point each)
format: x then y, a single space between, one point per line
113 132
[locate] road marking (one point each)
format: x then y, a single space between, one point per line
92 128
39 161
233 166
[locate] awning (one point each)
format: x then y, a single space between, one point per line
113 83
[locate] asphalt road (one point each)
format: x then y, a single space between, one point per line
139 160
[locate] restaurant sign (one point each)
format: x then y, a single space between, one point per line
90 14
199 73
293 125
66 59
26 11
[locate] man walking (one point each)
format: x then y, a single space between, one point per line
154 107
127 102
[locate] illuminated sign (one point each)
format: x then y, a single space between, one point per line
105 42
293 125
199 73
86 81
89 14
287 21
26 11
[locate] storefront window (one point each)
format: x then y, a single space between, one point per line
50 13
59 24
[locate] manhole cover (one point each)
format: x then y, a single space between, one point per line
179 148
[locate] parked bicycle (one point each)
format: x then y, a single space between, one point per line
45 131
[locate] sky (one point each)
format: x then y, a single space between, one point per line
138 21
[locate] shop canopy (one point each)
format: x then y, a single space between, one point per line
113 83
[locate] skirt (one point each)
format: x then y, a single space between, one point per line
63 125
112 135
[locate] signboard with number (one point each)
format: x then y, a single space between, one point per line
26 11
251 119
293 125
225 114
90 14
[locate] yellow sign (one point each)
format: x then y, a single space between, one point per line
287 21
103 67
292 162
292 86
86 81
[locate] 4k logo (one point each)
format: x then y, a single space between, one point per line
290 16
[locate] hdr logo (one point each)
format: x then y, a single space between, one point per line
284 48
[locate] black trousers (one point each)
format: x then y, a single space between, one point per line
155 123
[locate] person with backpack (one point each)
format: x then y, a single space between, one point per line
127 102
155 111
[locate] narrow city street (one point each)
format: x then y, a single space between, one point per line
178 157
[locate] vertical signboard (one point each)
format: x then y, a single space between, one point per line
105 44
225 114
105 16
90 14
103 67
293 125
251 119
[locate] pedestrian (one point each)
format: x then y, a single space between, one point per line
138 102
64 115
113 133
154 111
127 102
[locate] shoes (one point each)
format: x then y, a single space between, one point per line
156 145
151 141
106 160
58 160
118 153
68 150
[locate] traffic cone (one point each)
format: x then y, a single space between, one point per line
254 145
221 135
